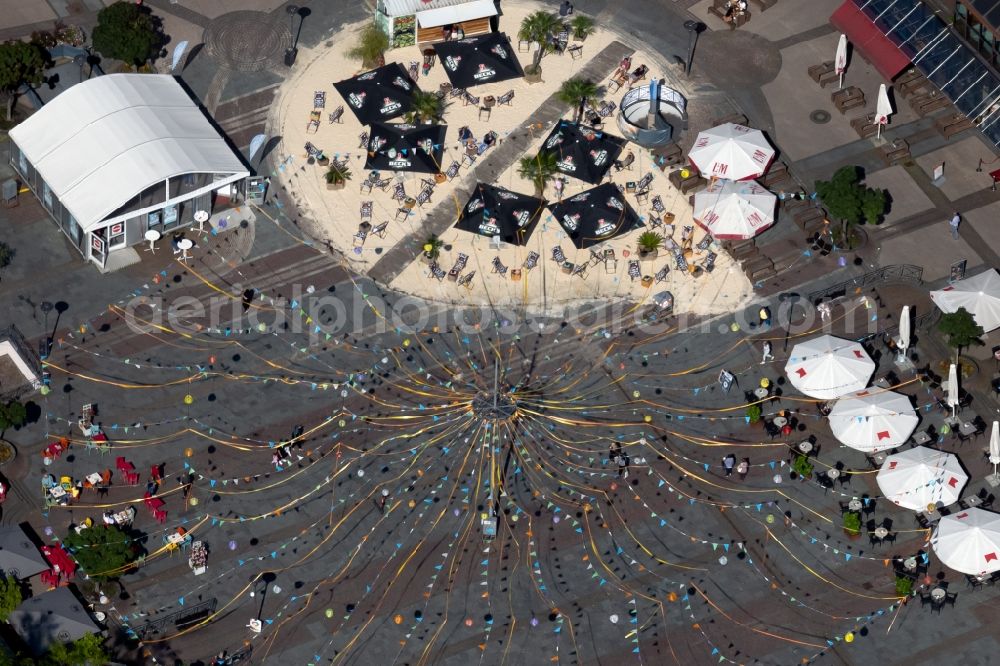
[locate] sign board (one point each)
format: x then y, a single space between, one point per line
957 271
726 378
257 190
939 172
96 244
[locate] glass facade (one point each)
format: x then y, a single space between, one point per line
960 69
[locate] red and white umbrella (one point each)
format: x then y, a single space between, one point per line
731 151
921 476
734 210
872 421
969 541
840 61
883 109
828 367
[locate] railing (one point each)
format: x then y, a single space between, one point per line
892 273
188 613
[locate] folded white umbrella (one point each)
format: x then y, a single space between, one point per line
952 388
840 61
969 542
883 109
904 330
979 294
734 210
873 421
828 367
995 446
921 476
731 151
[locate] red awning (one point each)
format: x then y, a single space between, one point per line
869 41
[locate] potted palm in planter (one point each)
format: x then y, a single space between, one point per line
431 249
582 27
541 28
370 47
852 524
802 467
337 176
649 243
753 414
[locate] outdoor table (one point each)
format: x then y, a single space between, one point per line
922 437
879 459
881 532
761 393
832 473
910 564
854 505
974 500
94 478
931 516
185 244
489 101
806 446
567 267
57 492
938 594
122 517
882 382
780 421
364 227
176 538
409 203
967 428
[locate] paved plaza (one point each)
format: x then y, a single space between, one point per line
385 472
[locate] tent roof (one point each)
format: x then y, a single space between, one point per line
18 556
53 616
432 18
102 142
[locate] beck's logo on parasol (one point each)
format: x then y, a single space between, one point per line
389 105
616 204
507 196
522 217
581 198
599 157
376 144
400 163
400 82
604 227
571 222
500 51
452 62
367 76
566 164
357 100
474 205
554 140
489 227
484 72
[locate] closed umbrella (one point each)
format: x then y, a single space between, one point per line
840 62
731 210
953 388
979 294
731 151
969 542
871 422
921 476
883 109
828 367
995 447
904 331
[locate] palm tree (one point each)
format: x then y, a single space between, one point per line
371 46
580 92
539 170
540 27
427 108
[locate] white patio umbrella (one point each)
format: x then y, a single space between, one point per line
827 367
734 210
995 447
969 541
979 294
873 421
921 476
952 388
731 151
840 61
883 109
904 331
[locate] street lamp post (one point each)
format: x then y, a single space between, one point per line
693 28
292 51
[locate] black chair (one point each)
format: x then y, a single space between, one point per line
874 540
973 582
844 478
922 521
844 508
925 599
994 577
867 505
772 430
871 526
889 538
936 606
950 598
988 502
824 481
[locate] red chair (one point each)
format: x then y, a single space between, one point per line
160 515
120 463
154 472
147 499
132 478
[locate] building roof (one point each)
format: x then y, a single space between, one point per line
432 18
103 141
411 7
53 616
19 558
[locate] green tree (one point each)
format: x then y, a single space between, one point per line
20 63
961 330
539 170
540 27
427 108
85 651
127 32
371 46
103 550
10 596
578 92
582 27
849 200
12 415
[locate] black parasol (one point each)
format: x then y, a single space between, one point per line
596 215
477 60
582 152
402 147
494 211
378 95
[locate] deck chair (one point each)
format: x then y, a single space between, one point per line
557 255
363 140
498 267
531 261
402 213
661 275
457 92
380 230
437 272
708 265
399 192
466 280
633 269
606 109
470 159
595 257
360 238
313 125
337 115
506 98
626 163
424 196
383 184
368 182
704 242
319 99
453 170
414 69
657 203
366 210
610 262
469 99
655 222
581 270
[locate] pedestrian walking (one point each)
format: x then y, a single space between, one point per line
187 486
248 296
767 353
765 317
151 486
382 500
824 311
743 468
955 221
728 463
623 466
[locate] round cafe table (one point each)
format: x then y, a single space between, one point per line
910 563
832 473
185 244
152 235
938 594
806 446
854 505
780 421
881 532
761 393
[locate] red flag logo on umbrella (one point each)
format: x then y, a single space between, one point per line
801 372
991 556
883 435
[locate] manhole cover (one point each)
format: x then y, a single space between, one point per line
819 116
247 41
